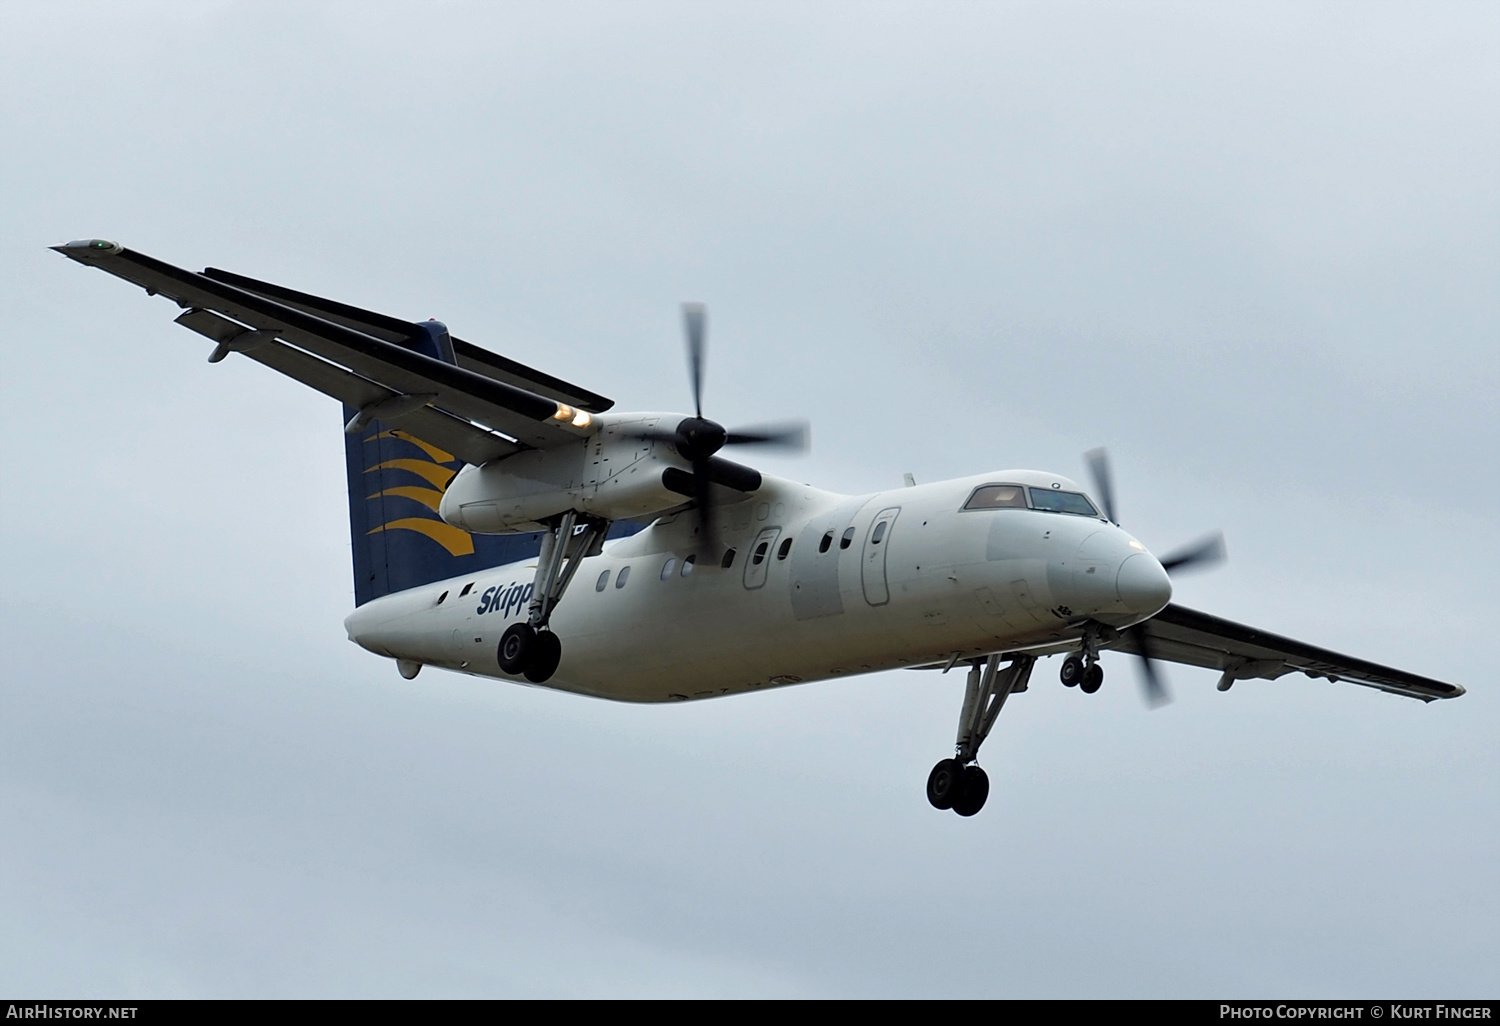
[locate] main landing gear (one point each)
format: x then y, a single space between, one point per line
531 649
1082 669
958 783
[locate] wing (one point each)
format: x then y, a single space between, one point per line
392 329
468 407
1238 652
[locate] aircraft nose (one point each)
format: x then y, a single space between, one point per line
1143 586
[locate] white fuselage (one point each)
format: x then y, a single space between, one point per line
935 583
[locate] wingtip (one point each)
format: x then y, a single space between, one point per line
78 247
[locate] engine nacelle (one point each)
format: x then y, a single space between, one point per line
612 473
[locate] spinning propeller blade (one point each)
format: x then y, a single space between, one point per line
695 324
1098 460
703 496
792 435
1204 552
1154 690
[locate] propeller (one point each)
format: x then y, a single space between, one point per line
695 327
697 438
1204 552
1098 460
1154 690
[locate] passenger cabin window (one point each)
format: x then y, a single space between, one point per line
621 576
728 559
847 539
759 555
786 547
879 533
603 581
826 542
1001 496
1062 502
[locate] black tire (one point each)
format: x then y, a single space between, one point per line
545 654
944 783
973 792
1072 671
516 647
1093 677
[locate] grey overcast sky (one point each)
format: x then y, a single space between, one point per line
1254 248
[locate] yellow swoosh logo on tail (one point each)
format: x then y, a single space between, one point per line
437 455
458 543
438 476
429 497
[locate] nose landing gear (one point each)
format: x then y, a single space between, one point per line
1082 669
1093 679
958 783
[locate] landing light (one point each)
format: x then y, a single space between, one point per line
568 415
1137 545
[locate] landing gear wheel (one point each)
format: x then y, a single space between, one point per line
1093 676
517 645
1072 671
973 790
944 783
545 653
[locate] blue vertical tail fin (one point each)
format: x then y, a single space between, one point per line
396 481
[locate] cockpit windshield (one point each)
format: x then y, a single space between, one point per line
1014 496
998 496
1062 502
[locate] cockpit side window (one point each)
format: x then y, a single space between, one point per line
1062 502
997 496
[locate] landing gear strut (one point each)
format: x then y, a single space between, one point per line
530 648
958 783
1082 668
